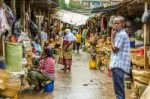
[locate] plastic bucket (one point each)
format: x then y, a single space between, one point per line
2 65
49 87
132 44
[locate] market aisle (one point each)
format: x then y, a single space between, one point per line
80 83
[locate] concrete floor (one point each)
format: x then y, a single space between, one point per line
79 83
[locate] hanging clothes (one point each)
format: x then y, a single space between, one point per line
9 14
4 26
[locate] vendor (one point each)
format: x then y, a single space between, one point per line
36 47
45 73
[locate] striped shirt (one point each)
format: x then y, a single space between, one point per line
121 59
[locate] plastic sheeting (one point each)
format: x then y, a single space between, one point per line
72 18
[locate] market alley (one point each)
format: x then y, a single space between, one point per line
79 83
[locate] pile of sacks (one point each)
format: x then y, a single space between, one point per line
141 80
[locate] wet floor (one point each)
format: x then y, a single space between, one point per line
79 83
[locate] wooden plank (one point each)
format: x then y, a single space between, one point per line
13 6
22 3
3 42
145 40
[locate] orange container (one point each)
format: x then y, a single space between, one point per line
141 51
13 39
92 64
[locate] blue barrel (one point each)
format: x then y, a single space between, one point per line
132 44
49 87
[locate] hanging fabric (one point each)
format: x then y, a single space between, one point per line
4 26
9 14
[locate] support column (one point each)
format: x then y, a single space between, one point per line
39 20
145 40
23 13
28 3
2 41
13 6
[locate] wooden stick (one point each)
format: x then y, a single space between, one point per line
145 41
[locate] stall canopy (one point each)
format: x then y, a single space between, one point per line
72 18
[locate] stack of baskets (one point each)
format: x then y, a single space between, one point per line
9 86
5 75
12 88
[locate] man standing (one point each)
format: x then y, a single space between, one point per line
120 56
43 37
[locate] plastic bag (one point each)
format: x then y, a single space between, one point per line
3 22
146 16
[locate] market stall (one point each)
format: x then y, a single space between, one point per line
18 25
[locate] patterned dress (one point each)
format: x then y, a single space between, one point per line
66 55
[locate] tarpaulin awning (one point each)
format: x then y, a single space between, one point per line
72 18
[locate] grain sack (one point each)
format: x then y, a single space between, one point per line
139 88
145 95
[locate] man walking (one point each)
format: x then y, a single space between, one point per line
120 56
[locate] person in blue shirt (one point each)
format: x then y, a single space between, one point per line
37 47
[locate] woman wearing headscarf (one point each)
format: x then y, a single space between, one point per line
45 73
67 46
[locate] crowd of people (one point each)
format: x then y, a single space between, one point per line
74 40
43 71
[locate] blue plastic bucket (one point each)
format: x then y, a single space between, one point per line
2 65
132 44
49 87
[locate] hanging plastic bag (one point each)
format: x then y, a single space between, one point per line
146 16
3 22
9 14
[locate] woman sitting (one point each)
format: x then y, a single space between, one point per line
45 73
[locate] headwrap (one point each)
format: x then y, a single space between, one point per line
69 36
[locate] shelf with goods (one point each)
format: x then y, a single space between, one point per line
141 63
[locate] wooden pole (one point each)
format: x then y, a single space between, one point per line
39 21
28 8
3 42
28 12
145 40
13 6
23 13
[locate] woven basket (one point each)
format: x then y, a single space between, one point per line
11 90
140 62
4 74
141 73
2 85
142 80
138 88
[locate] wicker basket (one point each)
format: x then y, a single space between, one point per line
141 73
142 80
11 90
2 85
4 74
